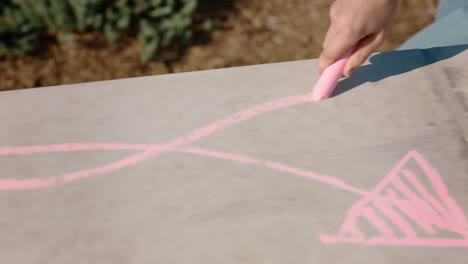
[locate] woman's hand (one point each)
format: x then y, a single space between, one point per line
366 21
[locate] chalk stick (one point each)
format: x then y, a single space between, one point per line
329 78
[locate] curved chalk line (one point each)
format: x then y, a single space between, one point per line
149 151
453 220
12 184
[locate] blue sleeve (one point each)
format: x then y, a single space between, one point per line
450 28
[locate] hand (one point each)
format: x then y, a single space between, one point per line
366 21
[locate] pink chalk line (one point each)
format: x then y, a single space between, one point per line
36 183
150 150
416 208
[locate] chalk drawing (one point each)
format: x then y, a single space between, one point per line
395 210
403 211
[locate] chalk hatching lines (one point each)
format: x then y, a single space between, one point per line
401 205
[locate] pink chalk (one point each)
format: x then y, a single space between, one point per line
406 208
330 76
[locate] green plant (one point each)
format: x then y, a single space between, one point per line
155 23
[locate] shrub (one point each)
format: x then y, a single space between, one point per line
155 23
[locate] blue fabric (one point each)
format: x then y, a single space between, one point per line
450 27
448 6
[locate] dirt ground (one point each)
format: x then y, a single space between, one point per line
248 32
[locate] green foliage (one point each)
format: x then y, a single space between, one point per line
155 23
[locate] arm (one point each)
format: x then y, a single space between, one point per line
366 21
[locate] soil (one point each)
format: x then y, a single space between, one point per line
247 32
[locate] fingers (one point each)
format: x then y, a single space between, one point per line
330 34
353 21
338 42
363 50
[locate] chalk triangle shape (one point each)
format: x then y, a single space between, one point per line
411 206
